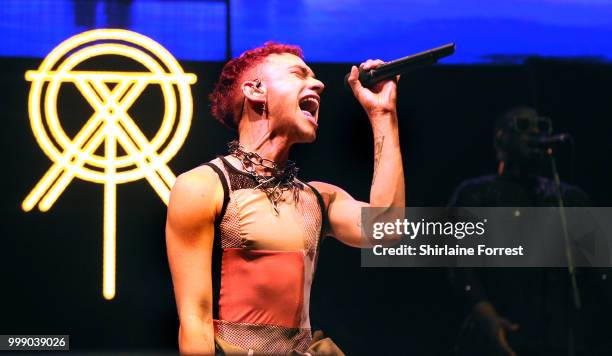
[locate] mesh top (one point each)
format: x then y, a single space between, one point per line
267 264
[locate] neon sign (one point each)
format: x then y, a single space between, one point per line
110 94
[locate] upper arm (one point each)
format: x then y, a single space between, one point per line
195 200
343 212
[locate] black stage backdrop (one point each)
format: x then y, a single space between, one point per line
51 262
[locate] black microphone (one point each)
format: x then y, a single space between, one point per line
391 69
550 140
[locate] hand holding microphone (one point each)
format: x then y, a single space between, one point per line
378 100
370 76
381 99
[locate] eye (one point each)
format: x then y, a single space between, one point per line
300 74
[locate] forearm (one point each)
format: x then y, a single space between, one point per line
196 337
388 188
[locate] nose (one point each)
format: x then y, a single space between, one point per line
316 85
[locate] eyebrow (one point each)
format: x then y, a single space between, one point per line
306 71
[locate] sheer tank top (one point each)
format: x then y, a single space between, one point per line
263 263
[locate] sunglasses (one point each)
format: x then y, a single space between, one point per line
529 124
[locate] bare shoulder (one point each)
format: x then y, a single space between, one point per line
197 184
197 194
200 177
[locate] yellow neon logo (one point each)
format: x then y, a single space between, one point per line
110 94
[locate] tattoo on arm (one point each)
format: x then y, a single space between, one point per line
378 145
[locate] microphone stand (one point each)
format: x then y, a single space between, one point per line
571 268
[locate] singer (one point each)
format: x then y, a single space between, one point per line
243 231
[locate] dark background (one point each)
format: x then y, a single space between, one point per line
51 262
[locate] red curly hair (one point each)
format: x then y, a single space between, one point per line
226 99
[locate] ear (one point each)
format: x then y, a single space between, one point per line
254 91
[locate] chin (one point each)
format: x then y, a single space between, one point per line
305 132
311 139
306 137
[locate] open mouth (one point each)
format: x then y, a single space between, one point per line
309 106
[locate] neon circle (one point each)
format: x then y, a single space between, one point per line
163 69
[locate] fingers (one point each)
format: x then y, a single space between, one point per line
317 335
371 64
353 79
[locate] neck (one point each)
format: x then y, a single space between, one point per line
255 136
516 171
273 148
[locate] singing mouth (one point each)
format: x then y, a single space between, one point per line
309 106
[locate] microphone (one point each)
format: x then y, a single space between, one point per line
550 140
402 65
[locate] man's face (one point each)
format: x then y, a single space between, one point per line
521 133
292 97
